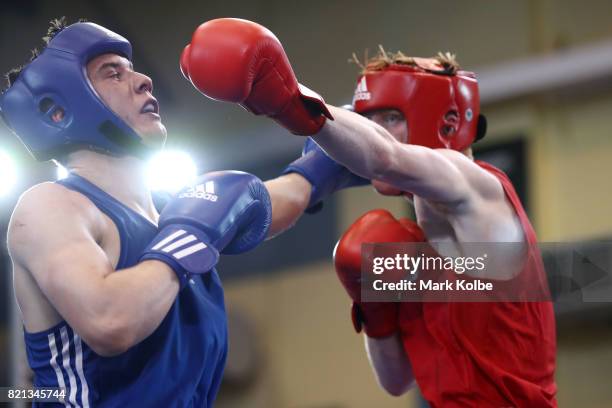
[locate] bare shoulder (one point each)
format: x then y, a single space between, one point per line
47 199
48 211
481 182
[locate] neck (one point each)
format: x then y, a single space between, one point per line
468 153
124 178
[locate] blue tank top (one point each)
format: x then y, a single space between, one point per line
179 365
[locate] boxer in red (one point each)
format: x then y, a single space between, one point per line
411 135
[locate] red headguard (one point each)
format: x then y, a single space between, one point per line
442 108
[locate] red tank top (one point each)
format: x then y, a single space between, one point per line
485 354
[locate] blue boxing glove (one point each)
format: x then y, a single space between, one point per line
222 212
326 175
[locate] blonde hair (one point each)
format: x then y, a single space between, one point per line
383 59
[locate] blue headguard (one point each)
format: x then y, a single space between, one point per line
56 79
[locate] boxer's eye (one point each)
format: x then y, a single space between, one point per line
114 74
392 118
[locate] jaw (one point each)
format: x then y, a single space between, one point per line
152 132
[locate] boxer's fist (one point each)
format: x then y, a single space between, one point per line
243 62
326 175
224 211
378 319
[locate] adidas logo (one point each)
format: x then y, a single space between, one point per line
177 247
361 92
204 191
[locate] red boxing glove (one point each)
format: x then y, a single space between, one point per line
240 61
378 319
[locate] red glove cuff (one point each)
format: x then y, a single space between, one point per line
304 115
376 319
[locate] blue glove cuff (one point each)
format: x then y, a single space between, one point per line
185 249
181 274
324 174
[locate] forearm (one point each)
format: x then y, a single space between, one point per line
141 298
117 309
390 364
367 149
290 195
356 142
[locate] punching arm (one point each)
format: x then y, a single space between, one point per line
370 151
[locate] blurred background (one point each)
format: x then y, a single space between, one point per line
545 69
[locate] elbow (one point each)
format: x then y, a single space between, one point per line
395 391
396 381
398 388
109 337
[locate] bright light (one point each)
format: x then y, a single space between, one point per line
61 172
8 174
170 171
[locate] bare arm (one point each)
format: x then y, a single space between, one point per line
370 151
390 364
56 243
290 195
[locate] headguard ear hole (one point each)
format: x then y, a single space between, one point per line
451 115
451 121
45 105
447 130
58 114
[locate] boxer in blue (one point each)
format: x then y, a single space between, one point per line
121 306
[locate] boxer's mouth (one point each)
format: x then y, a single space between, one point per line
150 106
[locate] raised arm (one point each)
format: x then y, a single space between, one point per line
58 243
256 73
370 151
